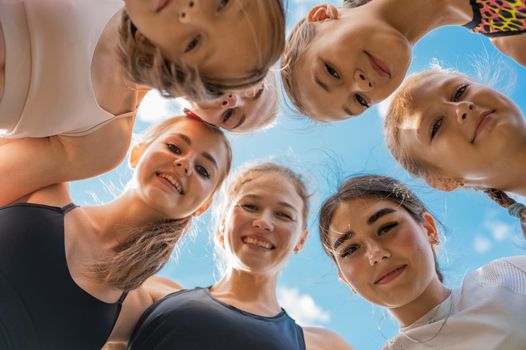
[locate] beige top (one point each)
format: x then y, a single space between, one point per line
487 312
49 49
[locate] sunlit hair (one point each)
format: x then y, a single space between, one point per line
401 104
269 120
146 249
235 185
355 3
370 187
399 109
144 63
297 43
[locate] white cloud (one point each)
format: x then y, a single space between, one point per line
481 244
302 307
499 230
154 108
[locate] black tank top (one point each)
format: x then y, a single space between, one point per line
41 307
193 319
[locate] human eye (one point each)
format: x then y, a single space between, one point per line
284 215
435 128
228 114
362 101
350 250
459 92
386 228
222 4
201 170
331 71
249 207
193 43
173 148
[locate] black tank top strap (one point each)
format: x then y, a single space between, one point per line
122 297
69 207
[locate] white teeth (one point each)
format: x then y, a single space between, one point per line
173 181
257 242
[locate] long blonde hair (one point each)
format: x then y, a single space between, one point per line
146 249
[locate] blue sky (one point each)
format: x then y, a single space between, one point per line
477 231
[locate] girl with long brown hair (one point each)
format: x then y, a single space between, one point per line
65 270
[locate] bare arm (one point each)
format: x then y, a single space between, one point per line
137 301
513 46
29 164
322 339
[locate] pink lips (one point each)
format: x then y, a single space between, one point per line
161 5
389 275
484 119
379 66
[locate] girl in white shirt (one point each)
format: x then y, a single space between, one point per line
382 238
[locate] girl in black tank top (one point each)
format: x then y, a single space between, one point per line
65 270
262 220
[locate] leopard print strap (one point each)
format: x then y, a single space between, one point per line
498 17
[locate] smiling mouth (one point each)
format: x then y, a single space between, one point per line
390 275
483 120
161 5
257 242
379 66
171 182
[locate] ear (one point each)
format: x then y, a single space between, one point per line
203 207
446 184
136 154
301 243
431 229
322 12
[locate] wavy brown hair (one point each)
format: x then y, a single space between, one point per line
144 63
146 249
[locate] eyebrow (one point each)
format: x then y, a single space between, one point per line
259 93
240 121
346 236
285 204
188 141
380 213
372 219
185 138
321 84
348 111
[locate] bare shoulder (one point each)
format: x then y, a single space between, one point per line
512 46
317 338
136 302
158 287
55 195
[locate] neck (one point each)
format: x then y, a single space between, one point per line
432 296
242 288
113 221
425 15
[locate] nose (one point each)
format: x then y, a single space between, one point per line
183 166
463 109
229 101
376 253
362 81
263 222
185 12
